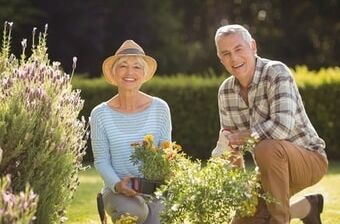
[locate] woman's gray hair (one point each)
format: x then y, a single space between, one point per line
230 29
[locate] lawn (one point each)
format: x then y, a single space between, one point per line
83 208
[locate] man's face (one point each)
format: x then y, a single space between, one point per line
237 56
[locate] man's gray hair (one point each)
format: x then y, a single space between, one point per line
230 29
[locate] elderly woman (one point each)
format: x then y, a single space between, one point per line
124 119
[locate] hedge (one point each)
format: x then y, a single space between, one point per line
193 104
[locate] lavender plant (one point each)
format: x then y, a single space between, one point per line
16 208
42 140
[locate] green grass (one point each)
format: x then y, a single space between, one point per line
329 187
83 208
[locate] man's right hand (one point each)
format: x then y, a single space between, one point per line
237 138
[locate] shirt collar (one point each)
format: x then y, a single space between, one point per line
257 74
258 70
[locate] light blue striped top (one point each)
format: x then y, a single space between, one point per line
112 133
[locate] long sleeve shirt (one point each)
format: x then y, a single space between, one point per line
113 132
274 110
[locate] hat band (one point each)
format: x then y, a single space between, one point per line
131 51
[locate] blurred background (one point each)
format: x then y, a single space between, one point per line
179 34
303 34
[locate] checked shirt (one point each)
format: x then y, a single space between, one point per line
274 110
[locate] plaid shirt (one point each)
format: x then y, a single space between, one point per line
275 109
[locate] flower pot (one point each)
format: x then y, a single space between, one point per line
145 186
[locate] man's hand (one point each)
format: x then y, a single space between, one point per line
237 137
123 188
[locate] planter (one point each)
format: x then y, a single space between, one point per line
145 186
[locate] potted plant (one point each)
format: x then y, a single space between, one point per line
154 163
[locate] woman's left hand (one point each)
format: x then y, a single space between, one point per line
123 188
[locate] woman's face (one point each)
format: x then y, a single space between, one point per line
128 73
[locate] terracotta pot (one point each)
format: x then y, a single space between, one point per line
145 186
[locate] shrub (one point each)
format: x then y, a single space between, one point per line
41 137
193 104
213 193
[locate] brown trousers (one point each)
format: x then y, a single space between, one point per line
285 169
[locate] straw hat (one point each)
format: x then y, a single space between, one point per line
128 48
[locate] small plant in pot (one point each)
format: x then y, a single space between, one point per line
155 163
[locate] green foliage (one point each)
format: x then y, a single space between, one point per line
84 209
213 193
6 46
325 76
320 93
41 137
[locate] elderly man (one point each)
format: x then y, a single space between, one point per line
261 99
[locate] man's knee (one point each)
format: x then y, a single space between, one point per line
268 151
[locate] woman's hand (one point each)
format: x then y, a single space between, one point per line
123 188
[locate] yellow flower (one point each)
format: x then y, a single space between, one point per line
178 148
167 150
148 138
166 144
155 162
171 155
127 219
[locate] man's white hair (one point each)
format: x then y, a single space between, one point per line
230 29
